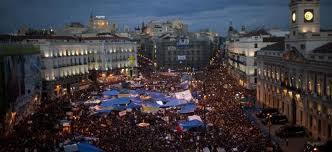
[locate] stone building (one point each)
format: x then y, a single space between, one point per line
295 75
181 52
69 62
241 48
20 83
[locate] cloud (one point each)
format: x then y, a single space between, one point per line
215 14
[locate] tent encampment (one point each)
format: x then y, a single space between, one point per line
188 108
110 93
81 147
186 125
116 101
173 102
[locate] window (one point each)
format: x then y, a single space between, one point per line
294 33
256 46
287 46
329 89
319 90
302 46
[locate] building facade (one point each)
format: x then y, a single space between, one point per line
181 52
69 62
241 53
295 76
169 45
20 83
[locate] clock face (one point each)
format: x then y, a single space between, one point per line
293 17
308 15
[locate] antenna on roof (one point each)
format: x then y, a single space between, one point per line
91 15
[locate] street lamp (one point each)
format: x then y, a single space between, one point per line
270 124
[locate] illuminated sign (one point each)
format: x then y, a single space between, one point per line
100 17
181 57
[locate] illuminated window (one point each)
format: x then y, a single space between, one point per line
309 86
329 89
319 90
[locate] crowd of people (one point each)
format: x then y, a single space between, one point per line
228 127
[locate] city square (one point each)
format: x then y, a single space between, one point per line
123 83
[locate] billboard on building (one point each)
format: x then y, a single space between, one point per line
181 57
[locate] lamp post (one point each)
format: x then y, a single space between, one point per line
270 124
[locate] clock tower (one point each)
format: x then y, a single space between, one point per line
304 16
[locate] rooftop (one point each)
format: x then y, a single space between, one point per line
258 32
17 49
98 37
327 48
279 46
273 39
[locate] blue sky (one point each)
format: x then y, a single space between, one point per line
214 14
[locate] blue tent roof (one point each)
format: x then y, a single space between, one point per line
188 108
191 124
124 91
156 95
134 105
173 102
111 93
86 147
152 104
119 107
117 101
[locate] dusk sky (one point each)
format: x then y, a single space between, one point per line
214 14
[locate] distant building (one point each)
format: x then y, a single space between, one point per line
295 75
180 52
171 46
69 62
158 28
97 24
241 48
20 83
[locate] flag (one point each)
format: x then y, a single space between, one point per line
122 113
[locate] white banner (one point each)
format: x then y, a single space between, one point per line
184 95
181 57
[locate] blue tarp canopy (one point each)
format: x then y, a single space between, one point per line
156 95
124 91
117 101
188 108
134 105
86 147
137 91
191 124
111 93
173 102
152 104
